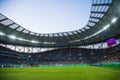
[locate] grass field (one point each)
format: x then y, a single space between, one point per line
60 73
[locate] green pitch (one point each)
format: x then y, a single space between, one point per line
60 73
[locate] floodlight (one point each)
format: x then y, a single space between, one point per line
26 40
106 27
114 20
12 37
33 41
1 33
20 39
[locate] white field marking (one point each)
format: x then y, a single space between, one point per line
106 69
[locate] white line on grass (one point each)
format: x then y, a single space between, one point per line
106 69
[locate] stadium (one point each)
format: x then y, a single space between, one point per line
89 53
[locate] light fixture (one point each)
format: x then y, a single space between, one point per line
1 33
27 40
33 41
106 27
20 39
114 20
12 37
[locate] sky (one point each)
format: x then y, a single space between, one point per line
47 16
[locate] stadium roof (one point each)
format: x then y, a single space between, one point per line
103 23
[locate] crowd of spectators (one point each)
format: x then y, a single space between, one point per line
9 58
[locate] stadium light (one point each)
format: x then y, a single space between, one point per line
12 37
114 20
20 39
26 40
1 33
33 41
106 27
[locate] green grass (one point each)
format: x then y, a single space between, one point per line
60 73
